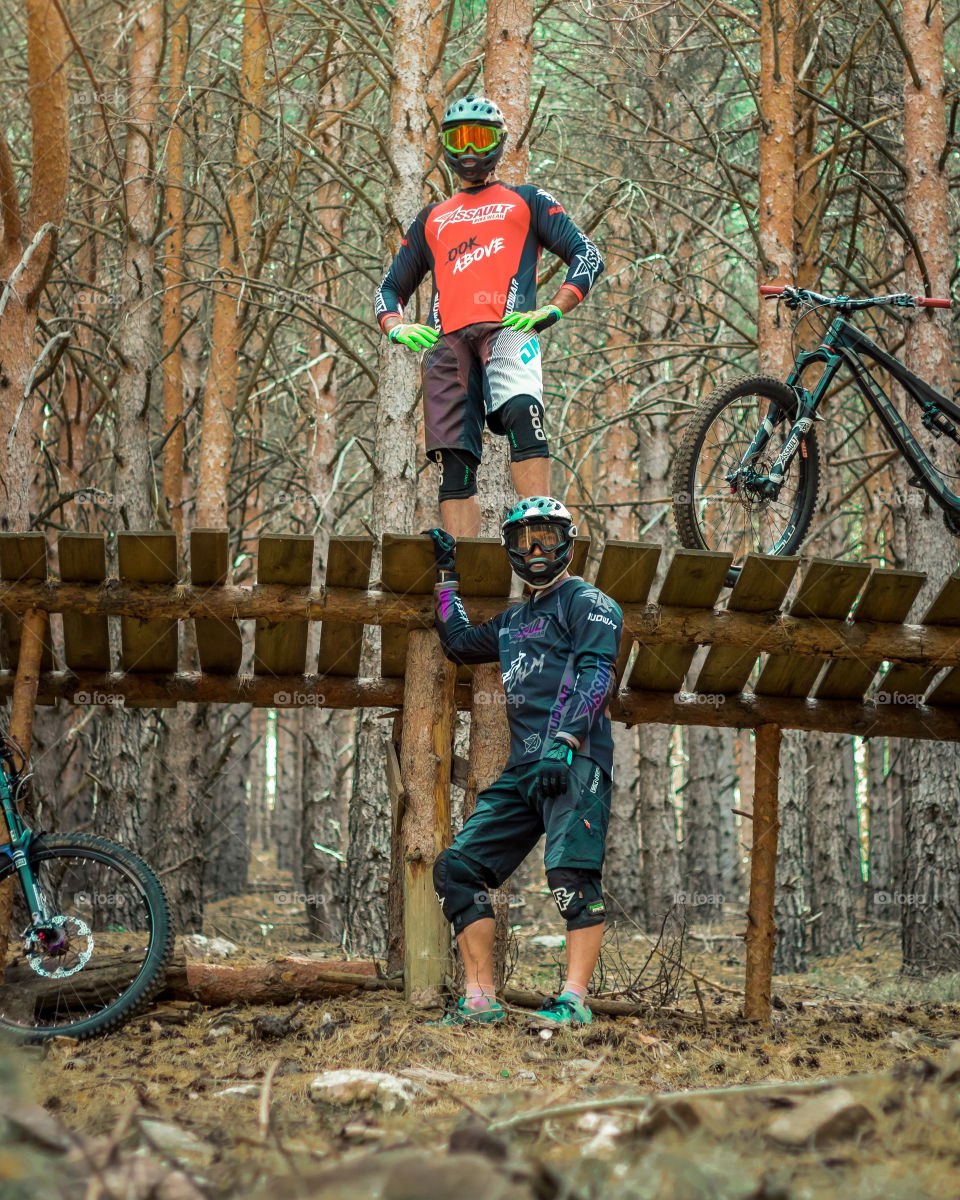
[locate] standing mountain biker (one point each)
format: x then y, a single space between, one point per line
483 247
558 654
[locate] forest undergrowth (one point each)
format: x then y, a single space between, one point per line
854 1086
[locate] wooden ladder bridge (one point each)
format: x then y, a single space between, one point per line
839 655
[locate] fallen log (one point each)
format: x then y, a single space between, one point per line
214 985
278 982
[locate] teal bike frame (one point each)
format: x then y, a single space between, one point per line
18 847
844 345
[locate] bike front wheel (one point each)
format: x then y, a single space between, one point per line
710 512
99 952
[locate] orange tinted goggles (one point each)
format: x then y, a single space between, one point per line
478 138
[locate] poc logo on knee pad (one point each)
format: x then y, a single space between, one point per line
536 415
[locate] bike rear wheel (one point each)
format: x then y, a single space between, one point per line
100 954
712 514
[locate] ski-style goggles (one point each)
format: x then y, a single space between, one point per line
478 138
542 534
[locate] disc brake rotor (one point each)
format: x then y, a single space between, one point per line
77 936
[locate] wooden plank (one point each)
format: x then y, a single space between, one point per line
828 589
219 643
581 548
86 639
886 599
348 565
22 556
694 579
764 581
280 647
407 566
913 679
626 574
484 570
483 567
148 645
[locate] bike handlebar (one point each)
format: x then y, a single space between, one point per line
900 299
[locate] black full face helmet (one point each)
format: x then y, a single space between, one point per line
473 134
538 534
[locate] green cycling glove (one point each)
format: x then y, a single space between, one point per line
414 337
534 322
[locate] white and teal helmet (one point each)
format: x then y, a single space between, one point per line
473 134
545 524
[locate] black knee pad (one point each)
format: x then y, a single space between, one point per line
579 896
461 890
458 473
522 421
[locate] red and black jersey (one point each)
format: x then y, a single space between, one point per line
483 247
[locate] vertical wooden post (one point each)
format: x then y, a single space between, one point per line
761 930
487 756
429 712
21 728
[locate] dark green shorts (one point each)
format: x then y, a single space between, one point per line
508 822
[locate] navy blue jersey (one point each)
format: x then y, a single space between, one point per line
483 247
558 654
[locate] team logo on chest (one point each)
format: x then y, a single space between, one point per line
473 216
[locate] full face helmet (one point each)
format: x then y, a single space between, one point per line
542 525
473 134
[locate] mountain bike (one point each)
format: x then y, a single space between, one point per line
89 931
747 473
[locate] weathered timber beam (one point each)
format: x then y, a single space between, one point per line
280 691
772 633
826 716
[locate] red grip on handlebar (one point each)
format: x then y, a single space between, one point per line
931 302
767 289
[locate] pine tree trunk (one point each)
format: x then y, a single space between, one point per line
834 890
623 877
394 484
792 908
237 256
880 825
50 169
288 801
324 821
709 832
931 868
777 166
368 842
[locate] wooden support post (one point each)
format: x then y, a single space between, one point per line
428 719
761 930
32 637
489 750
